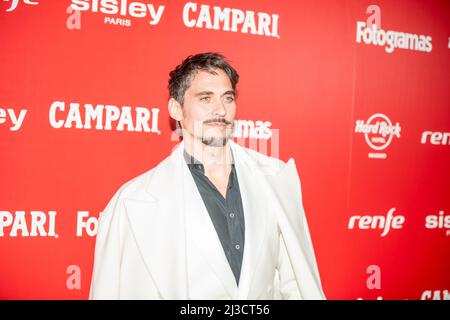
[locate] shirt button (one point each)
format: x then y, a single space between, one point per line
237 247
231 215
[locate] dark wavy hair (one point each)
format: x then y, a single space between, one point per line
181 77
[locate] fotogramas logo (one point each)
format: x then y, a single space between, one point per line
391 40
252 129
370 32
378 131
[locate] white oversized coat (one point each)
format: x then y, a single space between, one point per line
156 240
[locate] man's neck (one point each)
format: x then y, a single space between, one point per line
216 160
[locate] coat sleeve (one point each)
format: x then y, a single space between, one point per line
287 283
114 264
106 273
298 271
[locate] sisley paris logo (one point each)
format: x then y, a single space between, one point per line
123 8
439 221
15 3
385 223
12 117
378 132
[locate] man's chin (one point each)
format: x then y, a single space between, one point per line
215 141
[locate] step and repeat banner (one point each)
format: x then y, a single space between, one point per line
357 92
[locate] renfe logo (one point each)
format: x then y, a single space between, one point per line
377 222
436 138
14 4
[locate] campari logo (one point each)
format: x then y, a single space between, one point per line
92 116
28 224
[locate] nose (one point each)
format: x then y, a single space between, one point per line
219 109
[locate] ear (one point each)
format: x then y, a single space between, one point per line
175 109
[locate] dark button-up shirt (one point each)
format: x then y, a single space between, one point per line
227 214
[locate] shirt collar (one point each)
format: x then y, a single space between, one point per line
193 163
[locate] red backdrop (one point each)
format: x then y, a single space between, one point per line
355 91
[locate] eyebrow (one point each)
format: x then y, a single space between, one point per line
210 93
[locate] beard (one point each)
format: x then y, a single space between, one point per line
214 141
217 141
210 140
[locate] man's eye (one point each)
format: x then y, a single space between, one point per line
205 99
229 99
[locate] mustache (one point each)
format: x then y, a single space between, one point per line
218 120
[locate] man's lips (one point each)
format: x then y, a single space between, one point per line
216 124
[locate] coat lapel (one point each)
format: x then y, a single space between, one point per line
167 213
285 191
203 234
157 221
255 208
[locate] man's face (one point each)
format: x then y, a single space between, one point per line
209 108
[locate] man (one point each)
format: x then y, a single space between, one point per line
214 220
